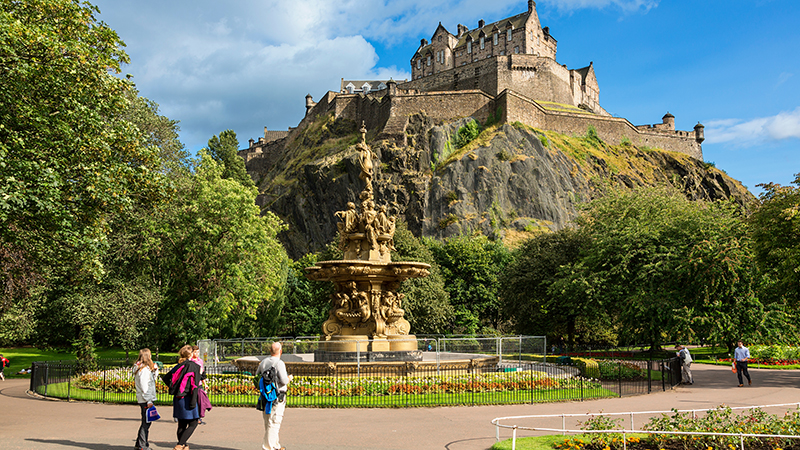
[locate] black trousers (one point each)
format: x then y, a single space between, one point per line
741 369
142 440
185 430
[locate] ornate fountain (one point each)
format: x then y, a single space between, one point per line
366 315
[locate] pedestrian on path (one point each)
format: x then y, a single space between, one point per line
686 364
3 363
183 381
272 421
144 375
741 356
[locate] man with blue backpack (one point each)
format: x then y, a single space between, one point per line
273 382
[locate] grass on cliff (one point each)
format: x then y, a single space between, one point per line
482 139
325 137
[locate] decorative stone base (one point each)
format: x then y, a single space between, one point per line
376 356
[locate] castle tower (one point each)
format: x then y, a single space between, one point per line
669 121
699 133
309 104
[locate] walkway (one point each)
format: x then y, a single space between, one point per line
27 423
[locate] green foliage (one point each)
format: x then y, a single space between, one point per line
224 151
427 302
466 134
775 230
537 298
592 137
447 221
305 303
494 117
471 266
69 158
666 266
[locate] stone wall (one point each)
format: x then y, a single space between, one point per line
612 130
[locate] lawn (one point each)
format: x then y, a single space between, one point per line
22 357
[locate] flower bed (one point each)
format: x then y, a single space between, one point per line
121 381
767 361
720 420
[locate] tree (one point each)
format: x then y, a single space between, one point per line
224 150
69 158
217 258
775 228
426 302
539 297
305 303
471 266
666 267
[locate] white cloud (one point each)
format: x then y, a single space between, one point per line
785 125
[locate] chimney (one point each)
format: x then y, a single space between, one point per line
462 30
423 42
531 5
265 132
481 23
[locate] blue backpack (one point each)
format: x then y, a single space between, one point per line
268 390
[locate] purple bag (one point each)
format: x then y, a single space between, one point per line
203 402
151 415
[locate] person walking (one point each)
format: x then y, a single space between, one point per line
741 356
144 376
3 363
202 397
686 364
272 421
183 381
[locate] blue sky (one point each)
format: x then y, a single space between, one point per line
731 65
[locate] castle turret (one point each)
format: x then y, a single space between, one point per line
309 104
669 121
391 85
699 133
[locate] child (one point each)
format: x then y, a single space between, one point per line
3 363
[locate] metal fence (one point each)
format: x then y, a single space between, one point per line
508 348
508 382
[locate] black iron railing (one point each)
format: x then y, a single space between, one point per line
507 383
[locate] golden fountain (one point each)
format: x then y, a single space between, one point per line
366 318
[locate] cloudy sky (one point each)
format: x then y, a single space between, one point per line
246 64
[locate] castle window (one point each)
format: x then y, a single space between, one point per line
440 38
483 43
495 39
469 46
429 60
516 50
419 64
508 34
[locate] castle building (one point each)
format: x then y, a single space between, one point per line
514 53
506 70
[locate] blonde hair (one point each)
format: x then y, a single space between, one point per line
145 359
185 353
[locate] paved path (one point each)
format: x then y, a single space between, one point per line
28 423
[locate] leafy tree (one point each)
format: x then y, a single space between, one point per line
471 266
539 298
426 302
68 157
306 302
224 150
667 267
775 228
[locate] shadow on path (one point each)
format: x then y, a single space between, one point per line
98 446
462 443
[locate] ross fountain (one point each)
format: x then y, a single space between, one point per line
366 318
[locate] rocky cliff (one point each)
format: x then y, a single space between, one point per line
508 181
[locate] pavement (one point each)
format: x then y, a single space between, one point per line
34 423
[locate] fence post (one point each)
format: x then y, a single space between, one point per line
619 366
663 386
69 383
104 384
46 378
500 348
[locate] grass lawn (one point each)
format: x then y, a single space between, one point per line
22 357
545 442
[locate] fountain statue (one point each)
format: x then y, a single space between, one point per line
366 315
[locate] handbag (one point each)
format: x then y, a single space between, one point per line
151 415
733 368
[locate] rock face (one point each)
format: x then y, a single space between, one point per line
509 182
